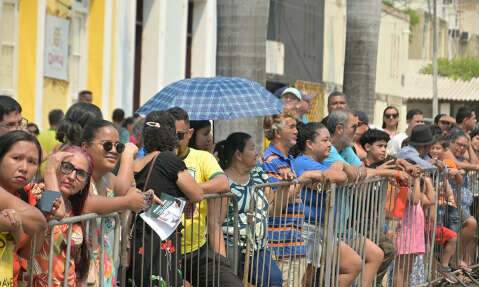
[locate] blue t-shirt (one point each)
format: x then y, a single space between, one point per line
347 155
314 202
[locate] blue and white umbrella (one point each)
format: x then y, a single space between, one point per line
219 98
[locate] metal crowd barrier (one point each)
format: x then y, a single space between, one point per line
306 223
147 261
293 236
70 221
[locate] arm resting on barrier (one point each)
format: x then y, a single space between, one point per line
33 220
133 200
217 184
189 187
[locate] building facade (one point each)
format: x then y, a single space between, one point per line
123 51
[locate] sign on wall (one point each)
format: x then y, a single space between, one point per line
56 47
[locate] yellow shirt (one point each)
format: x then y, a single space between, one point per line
48 141
203 167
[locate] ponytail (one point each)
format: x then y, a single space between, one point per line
227 148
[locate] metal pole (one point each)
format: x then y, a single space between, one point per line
435 101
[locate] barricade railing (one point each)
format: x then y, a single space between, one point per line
65 248
415 232
308 226
294 234
202 252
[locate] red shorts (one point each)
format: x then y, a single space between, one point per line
444 234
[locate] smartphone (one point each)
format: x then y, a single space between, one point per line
46 202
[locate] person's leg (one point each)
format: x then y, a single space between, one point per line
403 269
450 239
468 231
265 271
387 246
312 240
349 265
374 258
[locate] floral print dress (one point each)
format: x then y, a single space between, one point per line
109 270
40 263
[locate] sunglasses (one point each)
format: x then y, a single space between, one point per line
108 146
391 116
67 168
445 123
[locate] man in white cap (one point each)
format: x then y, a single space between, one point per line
295 103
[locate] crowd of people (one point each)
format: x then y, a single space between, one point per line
102 167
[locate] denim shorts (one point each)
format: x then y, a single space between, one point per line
453 217
313 239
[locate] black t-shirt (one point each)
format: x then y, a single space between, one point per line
163 176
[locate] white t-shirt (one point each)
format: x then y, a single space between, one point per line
394 145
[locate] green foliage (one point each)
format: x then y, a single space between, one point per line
458 68
388 3
413 18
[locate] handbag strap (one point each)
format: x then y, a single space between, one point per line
152 164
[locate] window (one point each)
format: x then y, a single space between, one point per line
8 46
77 51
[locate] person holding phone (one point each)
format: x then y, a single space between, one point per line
68 173
20 156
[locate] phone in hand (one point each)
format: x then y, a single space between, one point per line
46 202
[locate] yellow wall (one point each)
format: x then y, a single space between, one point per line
113 55
55 92
95 49
27 41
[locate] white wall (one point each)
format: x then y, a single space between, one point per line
334 41
125 54
163 45
392 54
203 53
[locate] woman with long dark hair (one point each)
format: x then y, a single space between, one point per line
101 140
201 139
391 120
238 157
20 156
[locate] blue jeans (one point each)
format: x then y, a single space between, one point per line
263 270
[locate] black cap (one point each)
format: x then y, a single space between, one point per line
421 135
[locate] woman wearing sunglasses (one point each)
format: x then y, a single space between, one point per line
101 140
391 120
20 155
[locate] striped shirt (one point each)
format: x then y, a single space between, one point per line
284 232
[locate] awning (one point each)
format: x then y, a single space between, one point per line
419 87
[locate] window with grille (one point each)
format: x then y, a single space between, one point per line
8 46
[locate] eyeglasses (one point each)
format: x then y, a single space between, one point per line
108 146
391 116
445 123
67 168
461 145
20 125
180 135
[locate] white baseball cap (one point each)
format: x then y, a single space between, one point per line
293 91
